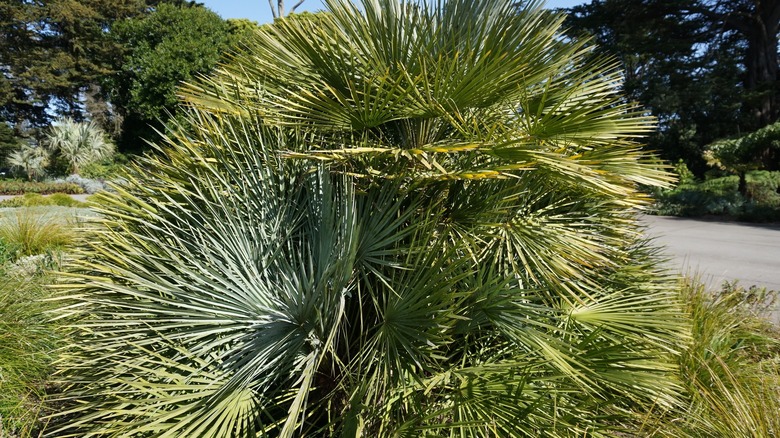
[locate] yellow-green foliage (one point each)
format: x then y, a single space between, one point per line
38 200
32 241
28 343
731 368
32 231
400 219
17 187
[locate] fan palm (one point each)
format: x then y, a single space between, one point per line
398 219
32 160
79 143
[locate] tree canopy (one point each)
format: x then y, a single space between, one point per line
105 60
160 50
706 68
51 51
7 142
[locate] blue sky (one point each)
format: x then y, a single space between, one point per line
259 11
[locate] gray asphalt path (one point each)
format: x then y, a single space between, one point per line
721 251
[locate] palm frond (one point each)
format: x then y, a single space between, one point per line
394 218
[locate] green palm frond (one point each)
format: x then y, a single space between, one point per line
78 143
394 219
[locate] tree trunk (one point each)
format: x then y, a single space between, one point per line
742 188
761 63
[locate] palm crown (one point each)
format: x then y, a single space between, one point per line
78 143
392 219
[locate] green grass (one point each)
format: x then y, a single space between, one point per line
731 369
32 241
29 231
28 341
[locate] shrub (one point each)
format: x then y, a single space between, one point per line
731 369
88 185
106 169
63 200
764 188
16 187
78 143
720 196
753 151
398 220
30 159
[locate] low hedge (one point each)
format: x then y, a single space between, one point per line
18 187
720 197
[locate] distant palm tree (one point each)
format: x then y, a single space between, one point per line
32 160
398 219
79 143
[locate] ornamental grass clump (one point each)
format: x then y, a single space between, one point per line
28 344
730 368
31 231
392 219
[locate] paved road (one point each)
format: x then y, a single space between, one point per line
720 251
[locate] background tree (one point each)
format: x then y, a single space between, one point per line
8 142
757 150
241 29
277 7
694 63
757 23
161 49
52 51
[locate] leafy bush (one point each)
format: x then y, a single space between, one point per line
399 220
17 187
764 188
88 185
756 150
38 200
720 196
106 169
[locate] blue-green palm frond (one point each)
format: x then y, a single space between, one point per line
391 219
